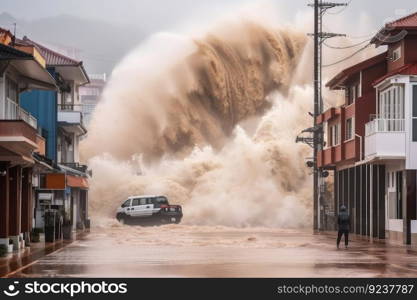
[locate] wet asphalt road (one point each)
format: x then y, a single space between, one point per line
192 251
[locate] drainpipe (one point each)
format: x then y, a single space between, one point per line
371 204
360 145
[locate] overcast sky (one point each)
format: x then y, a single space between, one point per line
161 14
137 19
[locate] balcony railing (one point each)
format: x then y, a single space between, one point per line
384 125
70 107
76 166
15 112
70 113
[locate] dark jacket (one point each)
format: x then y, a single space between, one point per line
343 220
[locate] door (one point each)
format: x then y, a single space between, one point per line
136 209
148 207
141 208
126 207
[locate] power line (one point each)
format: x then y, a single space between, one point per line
348 57
362 36
341 10
346 47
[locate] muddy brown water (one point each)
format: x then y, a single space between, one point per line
204 251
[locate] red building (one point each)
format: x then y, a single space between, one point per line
371 140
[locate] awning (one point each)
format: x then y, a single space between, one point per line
77 182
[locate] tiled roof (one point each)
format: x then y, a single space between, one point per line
404 22
7 52
408 69
52 58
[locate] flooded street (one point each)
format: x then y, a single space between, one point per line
203 251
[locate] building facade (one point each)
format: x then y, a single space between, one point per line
65 187
90 95
21 69
371 140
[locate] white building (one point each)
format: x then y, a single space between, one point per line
90 95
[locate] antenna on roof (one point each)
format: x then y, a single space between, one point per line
14 34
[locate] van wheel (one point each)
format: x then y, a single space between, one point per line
121 218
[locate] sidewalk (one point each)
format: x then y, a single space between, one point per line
412 249
13 262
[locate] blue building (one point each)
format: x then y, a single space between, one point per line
60 123
43 106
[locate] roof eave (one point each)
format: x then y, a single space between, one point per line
82 71
48 83
337 81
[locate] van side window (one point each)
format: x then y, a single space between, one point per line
142 201
135 202
160 200
126 204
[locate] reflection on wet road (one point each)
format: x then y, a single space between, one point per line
195 251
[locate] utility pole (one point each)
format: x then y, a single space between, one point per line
316 141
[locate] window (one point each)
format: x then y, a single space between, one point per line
126 204
391 109
352 93
395 195
389 179
396 54
135 202
142 201
11 90
414 117
89 91
160 200
335 135
330 137
350 131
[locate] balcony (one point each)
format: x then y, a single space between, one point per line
70 118
19 139
14 112
18 133
76 166
385 139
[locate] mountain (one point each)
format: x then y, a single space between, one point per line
100 45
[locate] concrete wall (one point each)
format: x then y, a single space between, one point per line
411 147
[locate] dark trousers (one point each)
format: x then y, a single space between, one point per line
339 236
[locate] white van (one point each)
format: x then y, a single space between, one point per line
145 208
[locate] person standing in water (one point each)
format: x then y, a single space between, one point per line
343 222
